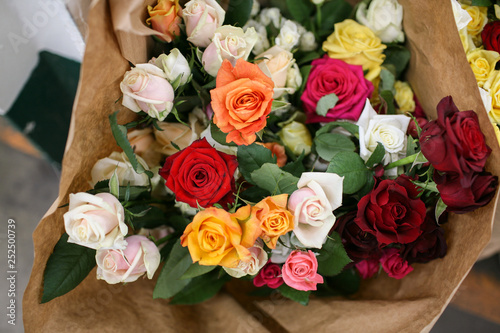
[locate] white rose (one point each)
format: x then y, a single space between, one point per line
390 130
229 43
174 65
276 65
293 79
289 35
202 17
317 2
145 88
251 267
286 244
255 8
268 15
318 195
462 17
262 43
384 17
308 42
119 162
95 221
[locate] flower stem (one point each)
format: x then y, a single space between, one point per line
318 15
407 160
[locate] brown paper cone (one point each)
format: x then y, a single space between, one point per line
438 68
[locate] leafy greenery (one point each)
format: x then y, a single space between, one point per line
238 12
298 296
271 178
251 158
325 103
352 168
377 156
201 288
332 256
329 144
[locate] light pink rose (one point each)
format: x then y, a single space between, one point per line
319 194
145 87
95 221
202 17
300 271
140 256
395 266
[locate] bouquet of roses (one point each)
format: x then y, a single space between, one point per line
277 145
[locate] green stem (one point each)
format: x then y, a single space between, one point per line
407 160
164 240
318 15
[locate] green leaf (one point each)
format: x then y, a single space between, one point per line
220 136
345 283
149 218
300 10
304 72
388 101
333 12
398 56
134 192
296 167
325 103
169 282
114 185
332 257
307 57
387 80
440 209
238 12
120 135
328 144
377 156
278 105
251 158
481 3
298 296
254 194
271 178
178 222
351 128
352 168
201 288
196 270
67 266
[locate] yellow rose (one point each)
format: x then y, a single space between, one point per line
493 87
404 97
217 237
296 136
479 19
356 45
483 64
466 39
275 219
497 132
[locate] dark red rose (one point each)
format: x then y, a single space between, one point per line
466 193
395 266
358 244
454 142
419 111
201 174
368 268
348 82
412 128
430 245
392 212
491 36
269 275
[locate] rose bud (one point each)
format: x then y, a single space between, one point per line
145 88
95 221
395 266
269 275
140 256
202 17
175 66
300 271
296 136
165 18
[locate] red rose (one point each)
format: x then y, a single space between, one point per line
395 266
368 268
430 245
465 193
491 36
201 174
269 275
392 212
412 127
329 76
454 142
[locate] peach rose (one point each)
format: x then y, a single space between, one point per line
202 17
277 150
276 63
216 237
241 101
275 219
177 133
165 17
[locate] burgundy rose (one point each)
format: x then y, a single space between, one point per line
329 76
199 174
491 36
368 268
419 111
412 127
269 275
430 245
465 193
392 212
358 244
454 142
395 266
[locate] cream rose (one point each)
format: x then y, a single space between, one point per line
482 63
229 43
270 15
289 35
308 41
318 195
177 133
95 221
251 267
139 257
296 136
202 17
404 97
390 130
175 66
462 17
145 88
384 18
293 79
262 43
119 163
493 87
276 65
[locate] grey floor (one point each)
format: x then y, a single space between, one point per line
28 187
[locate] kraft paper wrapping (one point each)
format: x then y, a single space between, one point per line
438 68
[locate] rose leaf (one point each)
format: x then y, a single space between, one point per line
201 288
169 282
328 144
325 103
251 158
298 296
352 168
377 156
332 257
271 178
196 270
238 12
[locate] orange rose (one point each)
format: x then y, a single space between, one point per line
275 219
165 17
216 237
277 150
241 101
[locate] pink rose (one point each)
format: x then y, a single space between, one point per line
140 256
300 271
202 17
395 266
368 268
269 275
329 76
145 87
